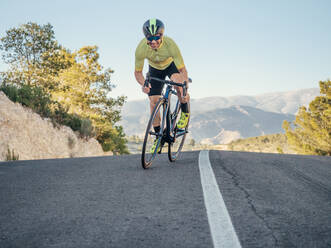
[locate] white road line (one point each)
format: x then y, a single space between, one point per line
221 228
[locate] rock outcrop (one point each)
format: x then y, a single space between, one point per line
31 137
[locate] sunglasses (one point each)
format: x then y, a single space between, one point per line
151 38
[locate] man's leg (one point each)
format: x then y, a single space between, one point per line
179 78
184 100
155 94
153 101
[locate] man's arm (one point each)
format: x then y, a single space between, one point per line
139 77
178 59
183 71
141 80
139 64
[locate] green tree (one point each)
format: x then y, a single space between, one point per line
26 44
311 133
84 89
76 80
32 54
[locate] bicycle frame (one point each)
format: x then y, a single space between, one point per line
169 125
170 120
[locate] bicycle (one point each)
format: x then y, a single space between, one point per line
169 133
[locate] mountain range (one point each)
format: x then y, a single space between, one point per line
219 120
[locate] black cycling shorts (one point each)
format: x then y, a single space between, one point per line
156 87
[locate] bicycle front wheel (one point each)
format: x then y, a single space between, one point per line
179 135
151 137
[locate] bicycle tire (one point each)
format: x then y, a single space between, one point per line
176 147
146 157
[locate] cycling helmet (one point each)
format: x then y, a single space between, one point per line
153 27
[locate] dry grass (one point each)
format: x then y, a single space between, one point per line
273 143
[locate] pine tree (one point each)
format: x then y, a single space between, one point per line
312 126
84 89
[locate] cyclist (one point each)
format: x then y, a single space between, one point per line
164 59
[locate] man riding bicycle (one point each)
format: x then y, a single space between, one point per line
164 59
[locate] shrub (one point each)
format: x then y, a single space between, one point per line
40 102
10 91
86 129
71 142
280 150
30 96
11 155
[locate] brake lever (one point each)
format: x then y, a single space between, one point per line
185 86
147 80
184 89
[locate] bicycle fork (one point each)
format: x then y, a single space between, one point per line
163 130
170 123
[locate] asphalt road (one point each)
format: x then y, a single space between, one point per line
273 201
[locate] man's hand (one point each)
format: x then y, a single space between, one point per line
141 80
146 90
187 84
186 98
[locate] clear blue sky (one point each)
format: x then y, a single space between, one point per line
245 47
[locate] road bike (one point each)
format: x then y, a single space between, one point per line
169 133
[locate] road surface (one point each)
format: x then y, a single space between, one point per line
272 200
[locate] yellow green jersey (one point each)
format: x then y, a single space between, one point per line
160 58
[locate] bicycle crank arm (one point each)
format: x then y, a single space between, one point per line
180 134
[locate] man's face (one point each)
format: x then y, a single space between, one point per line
154 41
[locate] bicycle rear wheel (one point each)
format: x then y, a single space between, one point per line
150 136
179 135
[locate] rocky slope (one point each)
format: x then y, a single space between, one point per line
32 137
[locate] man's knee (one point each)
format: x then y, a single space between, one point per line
179 89
153 100
176 77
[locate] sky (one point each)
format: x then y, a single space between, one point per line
238 47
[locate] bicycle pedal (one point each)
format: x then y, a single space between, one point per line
159 152
181 131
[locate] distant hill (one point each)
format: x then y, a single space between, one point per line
217 120
220 126
278 102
